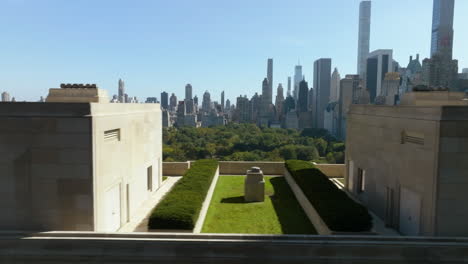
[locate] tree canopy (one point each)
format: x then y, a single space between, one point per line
248 142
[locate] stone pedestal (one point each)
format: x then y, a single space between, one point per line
254 187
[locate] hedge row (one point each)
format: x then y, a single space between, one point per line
340 212
180 208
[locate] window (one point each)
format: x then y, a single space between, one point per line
361 180
149 178
112 135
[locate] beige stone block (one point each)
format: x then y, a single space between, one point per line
254 186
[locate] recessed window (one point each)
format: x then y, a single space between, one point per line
361 180
149 178
112 135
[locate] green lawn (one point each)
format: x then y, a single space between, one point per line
164 178
279 214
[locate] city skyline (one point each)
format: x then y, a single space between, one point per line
149 76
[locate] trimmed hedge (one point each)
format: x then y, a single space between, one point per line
180 208
337 209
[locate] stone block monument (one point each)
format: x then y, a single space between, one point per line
254 188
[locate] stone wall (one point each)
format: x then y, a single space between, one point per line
332 170
241 167
232 249
175 168
128 165
46 180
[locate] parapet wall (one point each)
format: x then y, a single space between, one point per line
175 168
332 170
134 248
241 167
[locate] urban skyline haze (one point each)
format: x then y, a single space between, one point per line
157 46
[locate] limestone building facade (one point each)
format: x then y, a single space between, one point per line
407 163
84 166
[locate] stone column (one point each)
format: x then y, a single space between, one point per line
254 188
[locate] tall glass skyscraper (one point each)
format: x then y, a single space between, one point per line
442 28
364 36
269 95
297 79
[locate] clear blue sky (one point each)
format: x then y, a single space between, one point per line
216 45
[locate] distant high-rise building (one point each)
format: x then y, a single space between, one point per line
390 88
349 88
206 104
289 105
243 109
151 100
269 97
228 105
164 100
222 101
265 91
255 107
265 113
303 97
335 86
297 79
173 102
412 75
442 28
465 70
311 99
379 62
364 36
188 91
279 101
5 97
289 86
441 70
121 91
189 106
195 100
322 85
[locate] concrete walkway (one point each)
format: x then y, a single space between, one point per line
139 222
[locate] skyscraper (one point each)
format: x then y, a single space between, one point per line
379 62
297 79
243 109
289 86
164 100
322 85
441 70
442 28
303 97
173 102
364 36
121 91
228 104
222 101
206 103
279 101
188 91
335 86
269 95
